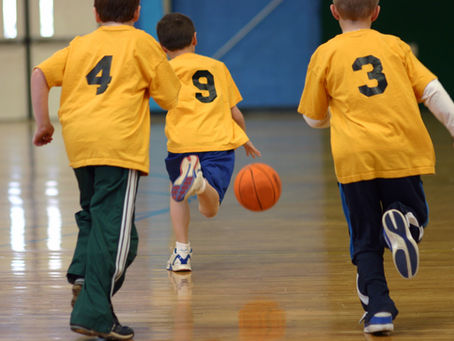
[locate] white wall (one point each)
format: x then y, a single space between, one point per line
71 18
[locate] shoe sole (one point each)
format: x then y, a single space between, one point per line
182 185
404 249
377 329
111 336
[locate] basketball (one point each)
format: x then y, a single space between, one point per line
257 187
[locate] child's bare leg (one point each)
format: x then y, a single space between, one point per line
208 201
180 216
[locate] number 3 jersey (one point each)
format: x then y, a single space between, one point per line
107 77
372 84
202 120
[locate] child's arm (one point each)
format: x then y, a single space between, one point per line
440 104
248 146
40 97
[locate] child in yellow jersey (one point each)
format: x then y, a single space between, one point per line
107 77
372 84
203 131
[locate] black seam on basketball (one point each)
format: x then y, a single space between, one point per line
255 189
271 180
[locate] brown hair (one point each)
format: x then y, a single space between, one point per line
116 10
175 31
355 9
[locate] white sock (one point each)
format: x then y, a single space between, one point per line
202 187
183 247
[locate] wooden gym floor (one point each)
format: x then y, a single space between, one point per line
283 274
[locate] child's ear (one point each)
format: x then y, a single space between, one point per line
97 18
375 14
334 12
137 13
164 49
194 39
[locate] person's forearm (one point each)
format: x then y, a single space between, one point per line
40 96
437 100
238 117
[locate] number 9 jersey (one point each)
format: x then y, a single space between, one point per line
372 84
202 120
107 77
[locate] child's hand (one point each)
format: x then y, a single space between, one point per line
251 150
43 135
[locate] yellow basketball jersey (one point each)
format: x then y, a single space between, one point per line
372 84
107 78
202 120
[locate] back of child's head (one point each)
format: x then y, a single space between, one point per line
355 9
116 10
175 31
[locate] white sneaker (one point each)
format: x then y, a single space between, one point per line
190 181
179 261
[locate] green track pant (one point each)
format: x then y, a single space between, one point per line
107 241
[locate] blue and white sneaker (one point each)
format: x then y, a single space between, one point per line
405 252
380 323
190 180
179 261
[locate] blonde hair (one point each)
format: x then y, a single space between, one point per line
355 9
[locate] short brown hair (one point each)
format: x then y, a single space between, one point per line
175 31
355 9
116 10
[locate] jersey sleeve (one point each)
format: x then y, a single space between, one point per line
315 99
234 94
54 67
165 86
419 75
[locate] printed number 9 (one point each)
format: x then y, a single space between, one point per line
376 73
208 86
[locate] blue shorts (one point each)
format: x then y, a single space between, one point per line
217 168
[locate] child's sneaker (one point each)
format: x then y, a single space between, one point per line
179 261
77 287
380 323
190 180
396 231
118 332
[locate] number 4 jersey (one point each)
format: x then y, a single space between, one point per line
202 120
107 77
372 84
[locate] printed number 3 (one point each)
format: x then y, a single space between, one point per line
208 86
104 79
376 73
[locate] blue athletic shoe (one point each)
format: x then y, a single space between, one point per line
380 323
190 180
396 231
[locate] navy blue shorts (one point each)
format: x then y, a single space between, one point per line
217 168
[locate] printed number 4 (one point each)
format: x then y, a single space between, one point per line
104 79
376 73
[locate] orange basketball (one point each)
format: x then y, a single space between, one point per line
257 187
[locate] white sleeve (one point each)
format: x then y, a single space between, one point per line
440 104
319 123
